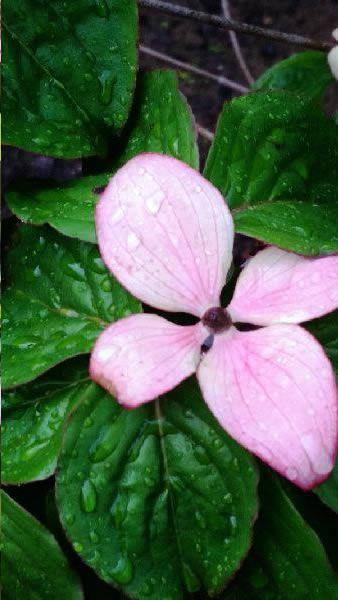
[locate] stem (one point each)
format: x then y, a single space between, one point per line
235 45
230 24
206 133
193 69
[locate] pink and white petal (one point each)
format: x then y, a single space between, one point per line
281 287
140 357
166 233
274 391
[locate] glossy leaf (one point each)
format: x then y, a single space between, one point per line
287 559
306 73
292 225
157 500
69 74
160 122
60 297
34 416
275 159
33 565
328 491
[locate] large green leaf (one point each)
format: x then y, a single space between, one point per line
60 298
33 565
307 73
160 122
287 560
275 159
159 499
34 416
69 73
304 227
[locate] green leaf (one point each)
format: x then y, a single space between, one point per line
287 559
328 491
34 416
69 209
325 329
61 297
306 73
69 74
275 159
304 227
158 499
160 122
33 565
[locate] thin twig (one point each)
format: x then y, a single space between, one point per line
206 133
224 23
235 45
193 69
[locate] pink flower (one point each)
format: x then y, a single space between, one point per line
167 235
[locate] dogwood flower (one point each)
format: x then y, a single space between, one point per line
333 56
167 235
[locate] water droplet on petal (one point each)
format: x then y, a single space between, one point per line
133 241
117 216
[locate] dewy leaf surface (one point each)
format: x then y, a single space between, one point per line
160 122
60 298
33 565
69 74
34 416
306 73
275 159
158 500
287 560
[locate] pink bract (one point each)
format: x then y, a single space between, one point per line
167 235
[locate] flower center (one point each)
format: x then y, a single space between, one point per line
217 319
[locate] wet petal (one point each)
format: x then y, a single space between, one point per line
281 287
142 356
166 234
274 391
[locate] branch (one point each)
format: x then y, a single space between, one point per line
206 133
192 69
235 45
230 24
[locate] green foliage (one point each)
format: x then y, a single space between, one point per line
60 298
69 74
33 565
287 559
161 122
306 73
34 418
275 159
158 499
